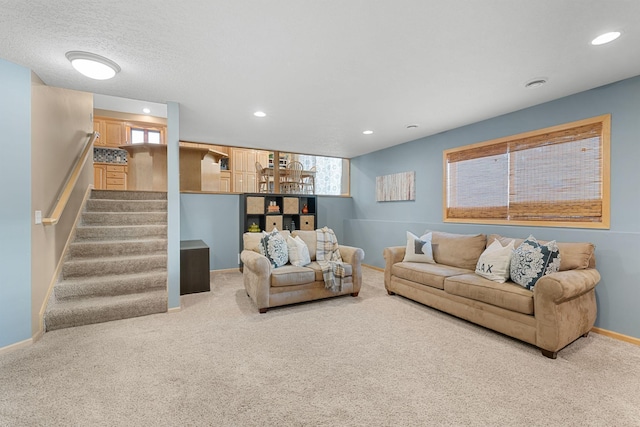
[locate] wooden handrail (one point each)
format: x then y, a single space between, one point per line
61 203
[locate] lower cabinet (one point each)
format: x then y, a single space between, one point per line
116 177
225 181
99 177
109 176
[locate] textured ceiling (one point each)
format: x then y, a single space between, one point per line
324 71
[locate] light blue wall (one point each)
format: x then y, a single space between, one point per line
173 204
215 219
377 225
15 209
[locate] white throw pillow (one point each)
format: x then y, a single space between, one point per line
419 248
298 252
495 262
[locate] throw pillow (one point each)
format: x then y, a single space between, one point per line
274 247
531 261
495 262
298 251
419 248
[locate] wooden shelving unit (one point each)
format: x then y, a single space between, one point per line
254 209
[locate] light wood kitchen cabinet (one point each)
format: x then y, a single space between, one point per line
116 177
243 168
112 132
99 176
98 126
108 176
225 181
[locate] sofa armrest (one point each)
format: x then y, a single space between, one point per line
353 256
565 307
392 255
566 285
256 275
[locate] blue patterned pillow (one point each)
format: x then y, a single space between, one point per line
531 261
274 246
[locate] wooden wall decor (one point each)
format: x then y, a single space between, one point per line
395 187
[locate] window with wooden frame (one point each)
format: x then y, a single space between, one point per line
141 134
553 177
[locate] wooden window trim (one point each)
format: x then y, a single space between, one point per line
497 215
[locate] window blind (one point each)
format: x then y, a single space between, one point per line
551 175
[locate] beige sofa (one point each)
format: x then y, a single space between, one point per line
271 287
560 309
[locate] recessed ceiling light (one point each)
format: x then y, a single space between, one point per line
260 114
367 132
92 65
146 110
535 83
412 126
605 38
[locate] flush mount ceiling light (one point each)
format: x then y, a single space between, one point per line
92 65
537 82
260 114
605 38
367 132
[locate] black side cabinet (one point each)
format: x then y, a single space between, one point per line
194 267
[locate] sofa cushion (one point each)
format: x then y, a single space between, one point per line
310 238
458 250
348 270
532 260
495 262
274 246
426 274
418 248
506 295
290 275
573 256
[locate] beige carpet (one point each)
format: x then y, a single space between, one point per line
375 360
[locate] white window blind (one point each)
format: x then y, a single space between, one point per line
556 175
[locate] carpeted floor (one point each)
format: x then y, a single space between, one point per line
374 360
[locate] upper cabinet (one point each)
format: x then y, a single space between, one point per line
115 132
112 132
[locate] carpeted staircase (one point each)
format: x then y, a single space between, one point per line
116 266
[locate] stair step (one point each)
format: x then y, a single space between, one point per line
110 248
120 284
91 267
114 271
128 195
111 205
111 232
77 312
124 218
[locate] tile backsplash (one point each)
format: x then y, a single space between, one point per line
109 155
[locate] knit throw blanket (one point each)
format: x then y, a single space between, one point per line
328 256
